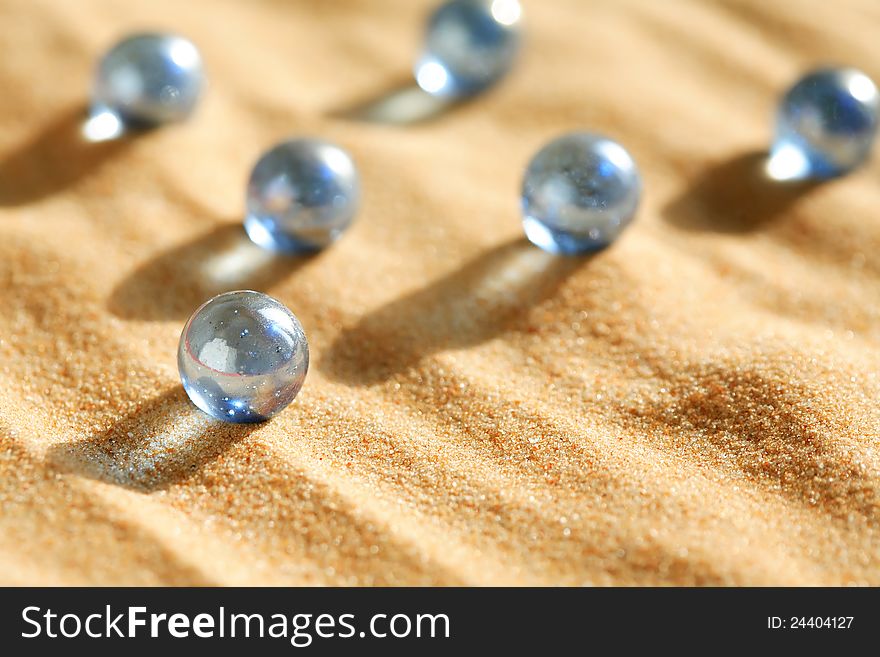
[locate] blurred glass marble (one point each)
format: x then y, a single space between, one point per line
579 192
301 196
469 46
242 357
146 80
825 126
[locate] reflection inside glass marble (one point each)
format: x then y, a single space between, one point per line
143 81
301 196
825 126
579 192
469 46
242 357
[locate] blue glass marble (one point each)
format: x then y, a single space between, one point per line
242 357
149 79
469 46
579 192
301 196
826 124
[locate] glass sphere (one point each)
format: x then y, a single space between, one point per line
826 124
301 196
149 79
242 357
579 192
470 45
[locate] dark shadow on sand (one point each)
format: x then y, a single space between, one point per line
57 157
735 196
404 103
479 301
174 283
164 442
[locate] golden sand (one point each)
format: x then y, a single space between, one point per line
695 405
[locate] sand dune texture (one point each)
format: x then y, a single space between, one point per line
695 405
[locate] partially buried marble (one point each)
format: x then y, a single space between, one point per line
469 46
243 357
579 193
149 79
826 125
301 196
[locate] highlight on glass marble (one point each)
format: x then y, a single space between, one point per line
469 46
825 126
242 357
579 193
301 196
144 81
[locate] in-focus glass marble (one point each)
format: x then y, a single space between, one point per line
242 357
301 196
469 45
579 192
149 79
826 124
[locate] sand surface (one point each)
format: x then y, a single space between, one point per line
695 405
